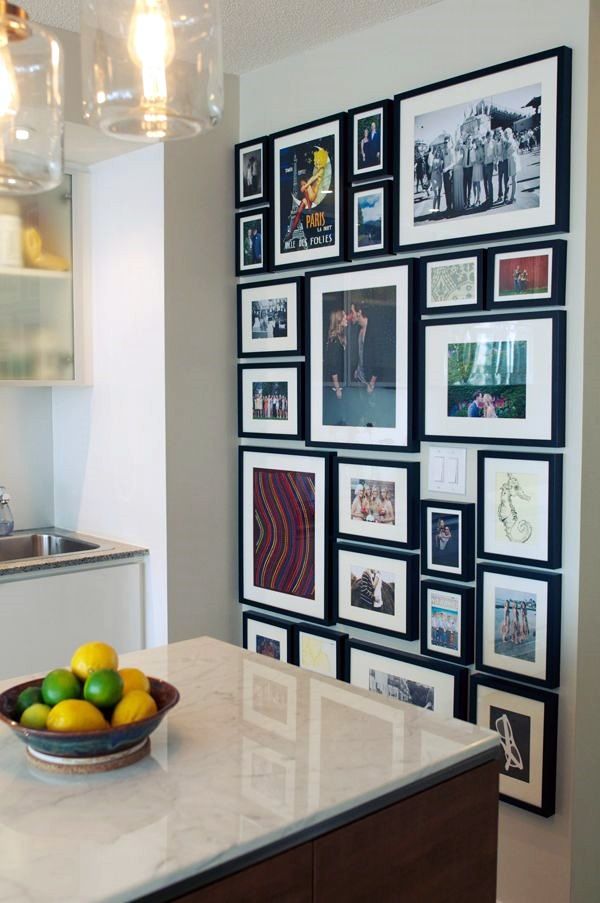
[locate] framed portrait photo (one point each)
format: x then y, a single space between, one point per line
370 134
527 275
447 621
370 220
451 283
518 624
270 400
284 530
251 242
321 650
485 155
519 499
497 379
307 165
448 540
270 318
272 637
526 720
435 685
251 173
359 357
377 589
377 502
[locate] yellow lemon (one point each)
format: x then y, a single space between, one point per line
76 715
135 706
94 657
134 679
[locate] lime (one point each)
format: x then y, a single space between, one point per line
135 706
58 685
103 688
94 657
76 715
30 696
36 716
134 679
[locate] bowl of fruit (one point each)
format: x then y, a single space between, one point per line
89 717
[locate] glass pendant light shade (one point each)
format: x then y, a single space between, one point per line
152 69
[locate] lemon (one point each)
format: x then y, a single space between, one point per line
134 679
27 697
103 688
75 715
59 685
135 706
94 657
36 716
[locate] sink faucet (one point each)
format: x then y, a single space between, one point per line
7 523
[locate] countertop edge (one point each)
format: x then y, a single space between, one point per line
83 558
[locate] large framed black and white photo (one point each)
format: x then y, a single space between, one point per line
320 650
307 165
284 531
518 624
452 283
360 357
270 318
485 154
270 401
527 721
268 636
369 220
370 136
447 621
251 173
377 589
527 275
435 685
377 502
497 379
252 242
519 500
448 540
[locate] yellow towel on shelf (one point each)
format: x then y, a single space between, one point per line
36 257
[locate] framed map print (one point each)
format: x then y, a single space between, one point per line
451 283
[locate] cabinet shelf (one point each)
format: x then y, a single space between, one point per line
30 273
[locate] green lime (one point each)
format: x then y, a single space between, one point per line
30 696
59 685
103 688
36 716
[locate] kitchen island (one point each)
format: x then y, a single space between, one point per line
267 782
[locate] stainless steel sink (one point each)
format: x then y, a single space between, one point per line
40 545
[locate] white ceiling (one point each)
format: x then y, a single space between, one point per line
258 32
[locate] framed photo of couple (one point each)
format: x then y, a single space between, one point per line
251 173
370 139
531 275
448 540
251 242
270 318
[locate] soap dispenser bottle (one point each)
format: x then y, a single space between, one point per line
7 522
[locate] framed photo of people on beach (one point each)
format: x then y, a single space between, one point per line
531 275
270 318
251 173
307 172
519 501
369 220
377 589
452 283
485 155
251 242
447 621
518 624
360 357
320 650
377 502
448 540
270 401
498 379
268 636
370 135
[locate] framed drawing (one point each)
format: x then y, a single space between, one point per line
485 155
448 540
497 379
359 357
370 135
272 637
251 173
531 275
270 318
377 502
370 220
519 498
270 401
518 624
527 721
321 650
284 530
435 685
307 193
377 589
251 242
447 621
451 283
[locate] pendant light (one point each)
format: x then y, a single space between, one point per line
152 69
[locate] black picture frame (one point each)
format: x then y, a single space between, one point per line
549 701
287 626
555 297
451 307
296 368
552 633
240 220
354 172
338 637
385 188
467 621
466 572
459 674
245 288
260 197
554 505
557 222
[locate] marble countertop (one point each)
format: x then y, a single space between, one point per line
255 753
108 550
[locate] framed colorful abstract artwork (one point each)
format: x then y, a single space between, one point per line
268 636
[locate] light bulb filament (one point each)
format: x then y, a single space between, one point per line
9 89
152 48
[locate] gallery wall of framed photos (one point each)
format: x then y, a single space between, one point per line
350 373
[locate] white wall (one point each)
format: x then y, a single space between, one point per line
447 39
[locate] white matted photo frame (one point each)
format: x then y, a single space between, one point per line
252 242
448 540
519 505
270 401
447 621
369 220
272 637
527 275
370 139
496 379
251 173
270 318
377 502
452 283
527 721
495 143
518 624
320 650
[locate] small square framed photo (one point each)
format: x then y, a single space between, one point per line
270 401
527 721
448 540
270 318
320 650
447 621
251 242
370 133
370 220
519 504
518 624
377 502
272 637
378 590
251 173
438 686
452 283
527 275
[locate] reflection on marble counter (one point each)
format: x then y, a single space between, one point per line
255 751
